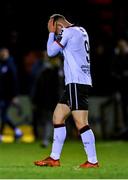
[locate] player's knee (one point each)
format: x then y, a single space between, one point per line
57 118
80 124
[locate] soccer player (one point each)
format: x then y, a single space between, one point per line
73 42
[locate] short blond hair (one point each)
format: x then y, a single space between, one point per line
57 16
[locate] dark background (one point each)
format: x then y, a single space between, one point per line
23 28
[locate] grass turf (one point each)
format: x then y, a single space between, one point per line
16 161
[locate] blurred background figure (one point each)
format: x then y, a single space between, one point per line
120 81
8 91
100 67
44 95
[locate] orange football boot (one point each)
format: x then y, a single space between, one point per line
47 162
89 165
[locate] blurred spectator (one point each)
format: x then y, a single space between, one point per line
8 91
13 43
120 80
44 95
29 59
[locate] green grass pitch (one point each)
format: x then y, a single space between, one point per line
16 161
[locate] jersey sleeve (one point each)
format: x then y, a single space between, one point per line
54 46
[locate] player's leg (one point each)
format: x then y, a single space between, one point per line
80 116
61 112
87 136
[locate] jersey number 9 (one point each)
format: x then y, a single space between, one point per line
87 51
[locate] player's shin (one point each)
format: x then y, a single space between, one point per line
88 140
58 141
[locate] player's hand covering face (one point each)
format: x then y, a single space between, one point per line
51 25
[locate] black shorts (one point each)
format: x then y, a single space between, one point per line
75 96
